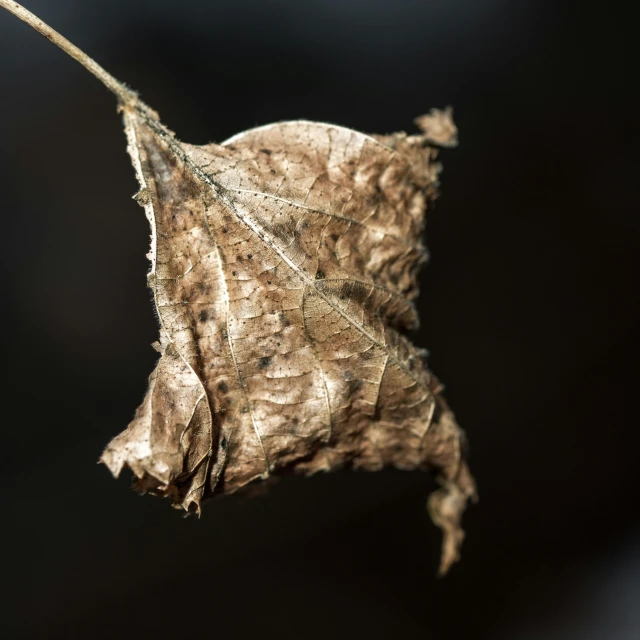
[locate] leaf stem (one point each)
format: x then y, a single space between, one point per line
125 95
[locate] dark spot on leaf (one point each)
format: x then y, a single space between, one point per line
284 230
355 291
203 316
285 321
264 362
368 354
223 386
319 275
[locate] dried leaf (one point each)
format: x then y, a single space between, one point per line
283 267
283 270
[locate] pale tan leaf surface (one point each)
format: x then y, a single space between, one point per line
283 266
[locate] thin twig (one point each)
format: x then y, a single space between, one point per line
125 95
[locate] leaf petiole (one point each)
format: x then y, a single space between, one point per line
125 95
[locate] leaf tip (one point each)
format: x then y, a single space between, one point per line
446 507
438 127
113 463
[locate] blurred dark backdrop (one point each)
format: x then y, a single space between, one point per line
525 306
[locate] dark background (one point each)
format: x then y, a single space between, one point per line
525 307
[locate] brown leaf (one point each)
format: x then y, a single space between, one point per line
283 266
283 269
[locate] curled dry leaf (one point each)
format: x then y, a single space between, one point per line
283 266
283 269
